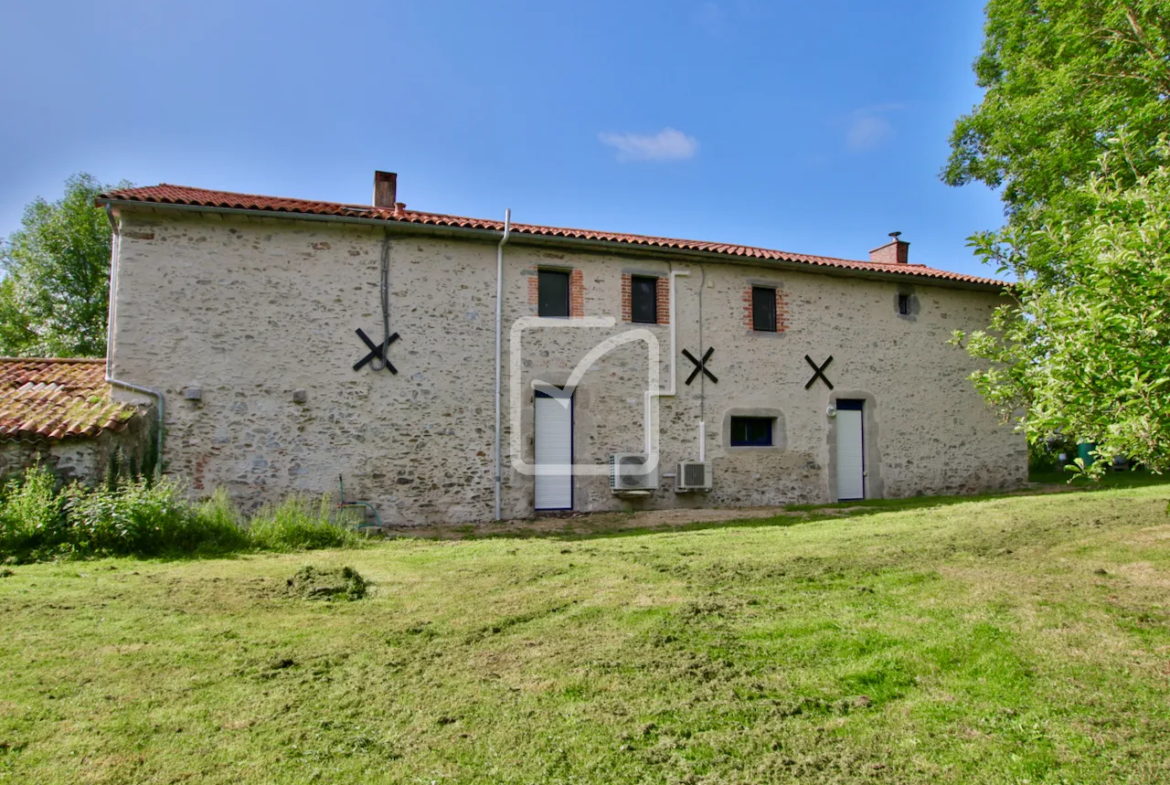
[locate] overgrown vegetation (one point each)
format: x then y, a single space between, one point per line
297 524
141 517
1007 640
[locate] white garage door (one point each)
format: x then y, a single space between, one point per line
554 452
850 451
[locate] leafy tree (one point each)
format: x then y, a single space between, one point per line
1076 96
1090 358
55 290
1061 78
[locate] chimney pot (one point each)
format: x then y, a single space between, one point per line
896 251
385 189
399 208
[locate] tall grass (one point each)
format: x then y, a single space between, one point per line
299 524
136 517
31 515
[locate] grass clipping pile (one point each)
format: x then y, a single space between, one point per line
314 583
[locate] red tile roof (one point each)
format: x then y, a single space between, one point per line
57 398
199 197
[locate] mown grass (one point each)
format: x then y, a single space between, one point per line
1011 640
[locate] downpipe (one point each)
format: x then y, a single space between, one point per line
498 478
672 390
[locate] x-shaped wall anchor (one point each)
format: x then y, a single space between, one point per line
700 365
819 372
376 352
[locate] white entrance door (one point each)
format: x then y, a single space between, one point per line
850 451
554 451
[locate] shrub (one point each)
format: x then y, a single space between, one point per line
31 517
139 518
296 524
221 524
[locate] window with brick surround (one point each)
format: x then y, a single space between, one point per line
643 299
552 293
763 309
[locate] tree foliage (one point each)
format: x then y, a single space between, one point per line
1061 78
55 291
1077 94
1090 358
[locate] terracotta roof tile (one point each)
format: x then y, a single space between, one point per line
199 197
57 398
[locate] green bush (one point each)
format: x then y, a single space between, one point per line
297 524
139 518
145 517
31 517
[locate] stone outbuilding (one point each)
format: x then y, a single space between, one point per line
60 413
296 342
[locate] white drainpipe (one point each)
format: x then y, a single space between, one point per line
672 391
115 252
499 329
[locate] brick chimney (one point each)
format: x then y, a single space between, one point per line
896 251
385 189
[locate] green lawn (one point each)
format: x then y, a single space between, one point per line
1014 640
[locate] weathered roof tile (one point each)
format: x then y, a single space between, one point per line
54 398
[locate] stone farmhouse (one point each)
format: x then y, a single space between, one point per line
603 371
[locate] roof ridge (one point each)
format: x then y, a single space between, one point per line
167 193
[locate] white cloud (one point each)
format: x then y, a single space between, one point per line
666 145
869 128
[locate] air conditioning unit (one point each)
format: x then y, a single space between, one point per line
628 473
692 476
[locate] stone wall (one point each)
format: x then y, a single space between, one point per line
251 310
82 459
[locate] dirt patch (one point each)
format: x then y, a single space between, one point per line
314 583
576 524
589 523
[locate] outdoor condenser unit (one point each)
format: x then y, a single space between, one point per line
692 476
627 473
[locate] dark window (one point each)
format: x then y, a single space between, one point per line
904 304
763 309
751 431
553 298
644 299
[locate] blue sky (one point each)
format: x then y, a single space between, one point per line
810 127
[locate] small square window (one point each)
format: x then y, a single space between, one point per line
904 305
644 299
553 296
751 431
763 309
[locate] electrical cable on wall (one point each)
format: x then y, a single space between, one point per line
380 363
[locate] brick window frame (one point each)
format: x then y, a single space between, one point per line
576 289
781 309
662 289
